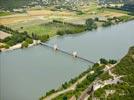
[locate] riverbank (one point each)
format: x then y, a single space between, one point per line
34 65
19 46
80 83
91 24
112 80
121 85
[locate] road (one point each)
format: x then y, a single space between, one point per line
87 92
71 88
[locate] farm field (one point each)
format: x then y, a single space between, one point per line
38 21
4 13
83 13
50 28
4 35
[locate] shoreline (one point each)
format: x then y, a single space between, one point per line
36 42
19 46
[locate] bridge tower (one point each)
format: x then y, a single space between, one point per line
55 47
75 54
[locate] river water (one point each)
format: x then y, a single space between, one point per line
26 74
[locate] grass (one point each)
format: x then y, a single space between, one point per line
4 13
116 10
125 89
40 30
51 28
67 95
25 24
105 76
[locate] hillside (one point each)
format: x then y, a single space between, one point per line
125 89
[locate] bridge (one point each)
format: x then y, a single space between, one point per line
74 54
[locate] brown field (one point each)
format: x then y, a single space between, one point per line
49 13
11 20
39 13
112 14
34 15
3 35
59 15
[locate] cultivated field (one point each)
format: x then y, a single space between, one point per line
50 28
49 13
3 35
35 21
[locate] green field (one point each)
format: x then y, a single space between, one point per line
52 28
25 24
115 10
4 13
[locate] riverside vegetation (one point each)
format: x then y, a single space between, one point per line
98 70
121 90
55 27
19 37
125 89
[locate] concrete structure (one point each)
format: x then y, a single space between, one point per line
55 47
75 54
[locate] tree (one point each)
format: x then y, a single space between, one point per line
96 19
60 33
90 24
112 61
24 44
50 92
44 38
34 36
103 61
107 23
64 85
65 98
29 41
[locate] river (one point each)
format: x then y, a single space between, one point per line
26 74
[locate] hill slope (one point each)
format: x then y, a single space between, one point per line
124 90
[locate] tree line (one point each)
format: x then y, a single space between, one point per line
20 37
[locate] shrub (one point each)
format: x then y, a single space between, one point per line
107 23
112 61
43 38
80 13
29 41
50 92
7 46
24 44
90 24
4 46
103 61
96 19
60 33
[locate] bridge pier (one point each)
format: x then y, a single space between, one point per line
75 54
55 47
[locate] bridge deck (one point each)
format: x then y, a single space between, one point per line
65 52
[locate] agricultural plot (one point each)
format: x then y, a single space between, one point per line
3 35
25 24
4 13
49 13
52 28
